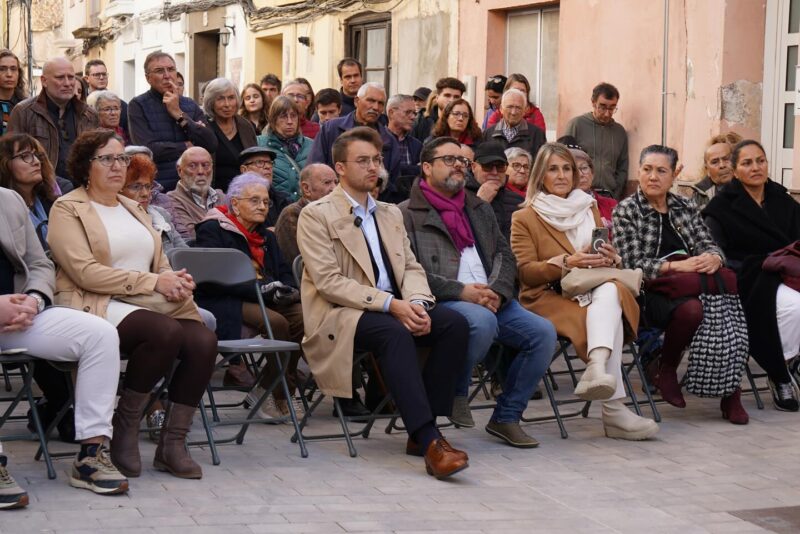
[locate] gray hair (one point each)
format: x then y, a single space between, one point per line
514 92
396 100
516 152
94 100
182 157
132 150
374 85
242 182
661 150
311 169
215 88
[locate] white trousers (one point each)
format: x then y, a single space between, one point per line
604 329
787 304
67 335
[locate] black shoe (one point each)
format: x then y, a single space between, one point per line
784 396
65 427
352 407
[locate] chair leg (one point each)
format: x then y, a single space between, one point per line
551 395
637 361
214 454
754 387
37 422
6 378
350 447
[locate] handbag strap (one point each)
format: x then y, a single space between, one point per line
703 284
720 282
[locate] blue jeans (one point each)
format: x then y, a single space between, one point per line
514 326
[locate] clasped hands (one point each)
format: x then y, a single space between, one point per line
176 286
17 312
481 294
704 263
606 256
413 316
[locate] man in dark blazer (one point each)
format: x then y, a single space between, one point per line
471 269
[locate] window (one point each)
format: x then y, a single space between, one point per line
369 41
532 50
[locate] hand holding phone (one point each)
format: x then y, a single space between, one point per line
599 237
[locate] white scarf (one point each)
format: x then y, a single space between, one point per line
571 215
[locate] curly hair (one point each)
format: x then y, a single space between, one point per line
79 159
19 89
442 129
262 113
140 167
15 143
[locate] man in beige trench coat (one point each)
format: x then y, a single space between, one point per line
363 289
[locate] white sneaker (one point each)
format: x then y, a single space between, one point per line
267 410
621 423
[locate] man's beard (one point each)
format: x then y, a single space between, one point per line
452 185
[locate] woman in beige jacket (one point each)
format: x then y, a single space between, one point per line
111 264
550 236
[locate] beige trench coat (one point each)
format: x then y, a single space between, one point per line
85 279
338 283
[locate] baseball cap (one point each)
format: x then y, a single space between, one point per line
490 152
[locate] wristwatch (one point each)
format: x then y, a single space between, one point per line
40 302
183 120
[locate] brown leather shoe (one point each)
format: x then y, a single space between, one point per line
238 376
442 460
172 454
415 449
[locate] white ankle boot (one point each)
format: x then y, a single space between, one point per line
596 383
621 423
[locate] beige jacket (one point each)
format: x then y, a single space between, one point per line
85 279
338 283
34 272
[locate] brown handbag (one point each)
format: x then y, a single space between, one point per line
786 262
675 285
579 281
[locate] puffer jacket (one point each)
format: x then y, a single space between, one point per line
637 231
286 170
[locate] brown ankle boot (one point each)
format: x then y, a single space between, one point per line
125 442
172 454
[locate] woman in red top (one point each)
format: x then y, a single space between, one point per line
533 114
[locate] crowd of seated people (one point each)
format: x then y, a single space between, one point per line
417 229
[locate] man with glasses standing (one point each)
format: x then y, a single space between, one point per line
488 182
364 290
513 130
96 75
401 112
193 195
166 122
604 139
471 270
56 117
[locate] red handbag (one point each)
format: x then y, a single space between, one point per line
786 262
675 285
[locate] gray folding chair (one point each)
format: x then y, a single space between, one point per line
230 267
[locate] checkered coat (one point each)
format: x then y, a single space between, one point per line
637 231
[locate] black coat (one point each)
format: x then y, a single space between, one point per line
226 303
504 204
747 233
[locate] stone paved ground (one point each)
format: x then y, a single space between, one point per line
690 479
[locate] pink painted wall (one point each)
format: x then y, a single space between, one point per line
711 43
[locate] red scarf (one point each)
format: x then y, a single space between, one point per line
515 189
255 242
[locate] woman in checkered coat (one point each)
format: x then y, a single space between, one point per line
660 232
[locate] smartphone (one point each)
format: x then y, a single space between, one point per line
599 236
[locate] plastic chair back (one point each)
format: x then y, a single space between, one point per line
223 266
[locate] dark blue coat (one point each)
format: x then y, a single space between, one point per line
150 125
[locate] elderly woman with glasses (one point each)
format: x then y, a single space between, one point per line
234 132
111 263
291 146
518 170
109 111
240 224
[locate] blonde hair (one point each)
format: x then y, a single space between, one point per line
536 180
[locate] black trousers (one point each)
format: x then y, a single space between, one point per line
420 394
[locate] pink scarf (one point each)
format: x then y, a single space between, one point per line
451 210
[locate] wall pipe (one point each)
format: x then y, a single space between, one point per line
665 56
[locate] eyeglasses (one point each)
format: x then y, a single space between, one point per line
521 167
107 160
256 201
27 157
12 69
160 71
498 165
138 188
364 161
193 166
297 96
602 108
99 75
584 169
110 110
451 160
459 114
260 164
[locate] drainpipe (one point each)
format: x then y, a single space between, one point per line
665 56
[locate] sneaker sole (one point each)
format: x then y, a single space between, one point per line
517 444
22 502
82 484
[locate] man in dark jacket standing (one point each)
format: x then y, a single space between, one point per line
488 182
166 122
447 90
471 269
513 130
56 117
